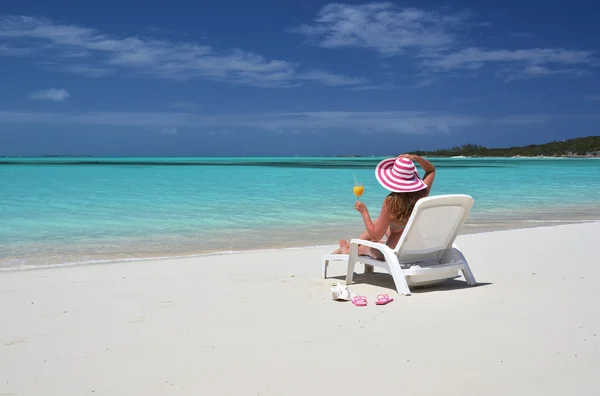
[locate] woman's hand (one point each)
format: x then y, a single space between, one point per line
361 207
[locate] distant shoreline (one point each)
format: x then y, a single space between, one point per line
249 161
586 156
585 147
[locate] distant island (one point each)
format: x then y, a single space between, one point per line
585 147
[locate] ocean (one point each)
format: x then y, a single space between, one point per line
65 211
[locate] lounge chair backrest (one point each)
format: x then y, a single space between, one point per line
433 227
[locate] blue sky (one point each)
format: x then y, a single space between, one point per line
294 78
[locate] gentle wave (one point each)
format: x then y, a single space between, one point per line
155 258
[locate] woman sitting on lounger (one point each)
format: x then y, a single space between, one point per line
398 175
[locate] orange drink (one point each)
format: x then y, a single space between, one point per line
359 189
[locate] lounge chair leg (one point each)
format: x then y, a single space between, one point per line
399 280
324 267
468 274
466 270
350 273
352 259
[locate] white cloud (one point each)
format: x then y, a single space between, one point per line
88 70
329 79
90 52
53 94
382 27
541 71
378 87
433 39
475 58
401 122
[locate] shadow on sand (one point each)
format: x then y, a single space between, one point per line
385 280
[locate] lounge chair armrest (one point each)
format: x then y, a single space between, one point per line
375 245
390 262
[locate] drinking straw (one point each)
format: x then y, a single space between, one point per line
355 179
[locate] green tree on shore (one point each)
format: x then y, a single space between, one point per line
579 147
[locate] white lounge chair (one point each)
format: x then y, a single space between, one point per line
426 253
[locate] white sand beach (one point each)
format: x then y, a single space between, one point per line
264 323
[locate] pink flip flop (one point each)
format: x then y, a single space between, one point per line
383 299
360 301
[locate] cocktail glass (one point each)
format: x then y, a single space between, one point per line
359 190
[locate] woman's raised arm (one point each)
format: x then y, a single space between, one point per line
427 166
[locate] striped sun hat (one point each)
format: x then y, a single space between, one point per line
399 175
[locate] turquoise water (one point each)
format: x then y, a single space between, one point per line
56 210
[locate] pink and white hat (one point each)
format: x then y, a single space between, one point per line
399 175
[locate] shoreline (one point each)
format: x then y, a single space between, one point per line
80 214
521 157
157 258
467 230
